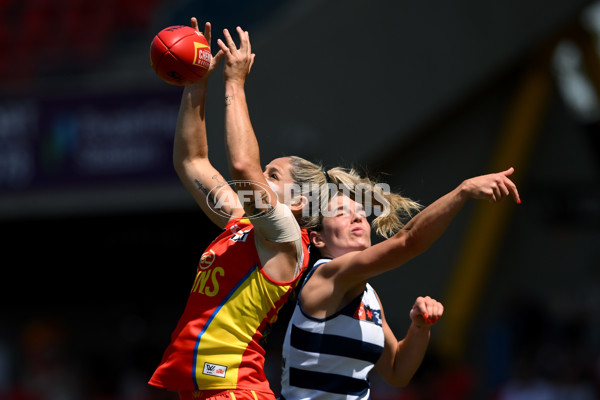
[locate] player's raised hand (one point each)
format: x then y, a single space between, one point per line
238 61
493 187
216 59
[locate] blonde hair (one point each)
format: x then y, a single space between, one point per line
312 177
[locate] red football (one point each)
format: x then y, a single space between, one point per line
180 55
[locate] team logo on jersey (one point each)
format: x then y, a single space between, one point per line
214 370
365 313
207 259
240 236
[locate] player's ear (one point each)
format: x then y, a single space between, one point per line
316 239
298 203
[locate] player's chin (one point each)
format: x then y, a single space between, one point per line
361 244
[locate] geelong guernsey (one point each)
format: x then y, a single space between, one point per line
330 358
216 342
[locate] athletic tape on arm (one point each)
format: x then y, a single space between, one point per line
278 226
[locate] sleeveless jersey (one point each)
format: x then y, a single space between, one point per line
330 358
216 342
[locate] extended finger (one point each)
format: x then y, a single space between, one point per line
497 194
516 196
509 171
216 60
207 32
513 190
251 61
244 40
222 45
194 23
503 189
229 40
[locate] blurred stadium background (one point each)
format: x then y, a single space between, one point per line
100 241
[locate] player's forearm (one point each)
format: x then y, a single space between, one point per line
427 226
410 354
190 134
240 140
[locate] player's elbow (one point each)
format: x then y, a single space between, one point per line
241 167
183 161
396 374
179 166
401 376
409 245
402 383
399 381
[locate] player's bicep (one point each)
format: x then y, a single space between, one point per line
277 225
385 365
279 232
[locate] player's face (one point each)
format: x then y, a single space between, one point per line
277 174
346 230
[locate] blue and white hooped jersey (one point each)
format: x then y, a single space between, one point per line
330 358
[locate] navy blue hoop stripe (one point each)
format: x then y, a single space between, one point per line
325 382
334 345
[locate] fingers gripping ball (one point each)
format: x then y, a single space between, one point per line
180 55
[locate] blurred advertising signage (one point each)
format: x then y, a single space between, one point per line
74 142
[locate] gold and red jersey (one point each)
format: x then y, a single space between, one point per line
216 342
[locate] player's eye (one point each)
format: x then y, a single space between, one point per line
341 212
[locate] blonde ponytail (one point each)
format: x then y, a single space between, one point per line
393 207
319 186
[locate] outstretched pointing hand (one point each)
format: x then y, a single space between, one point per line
492 187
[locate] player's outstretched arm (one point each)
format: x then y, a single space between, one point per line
427 226
281 256
423 229
243 153
190 150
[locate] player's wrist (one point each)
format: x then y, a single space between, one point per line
198 86
234 92
234 85
464 191
420 328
